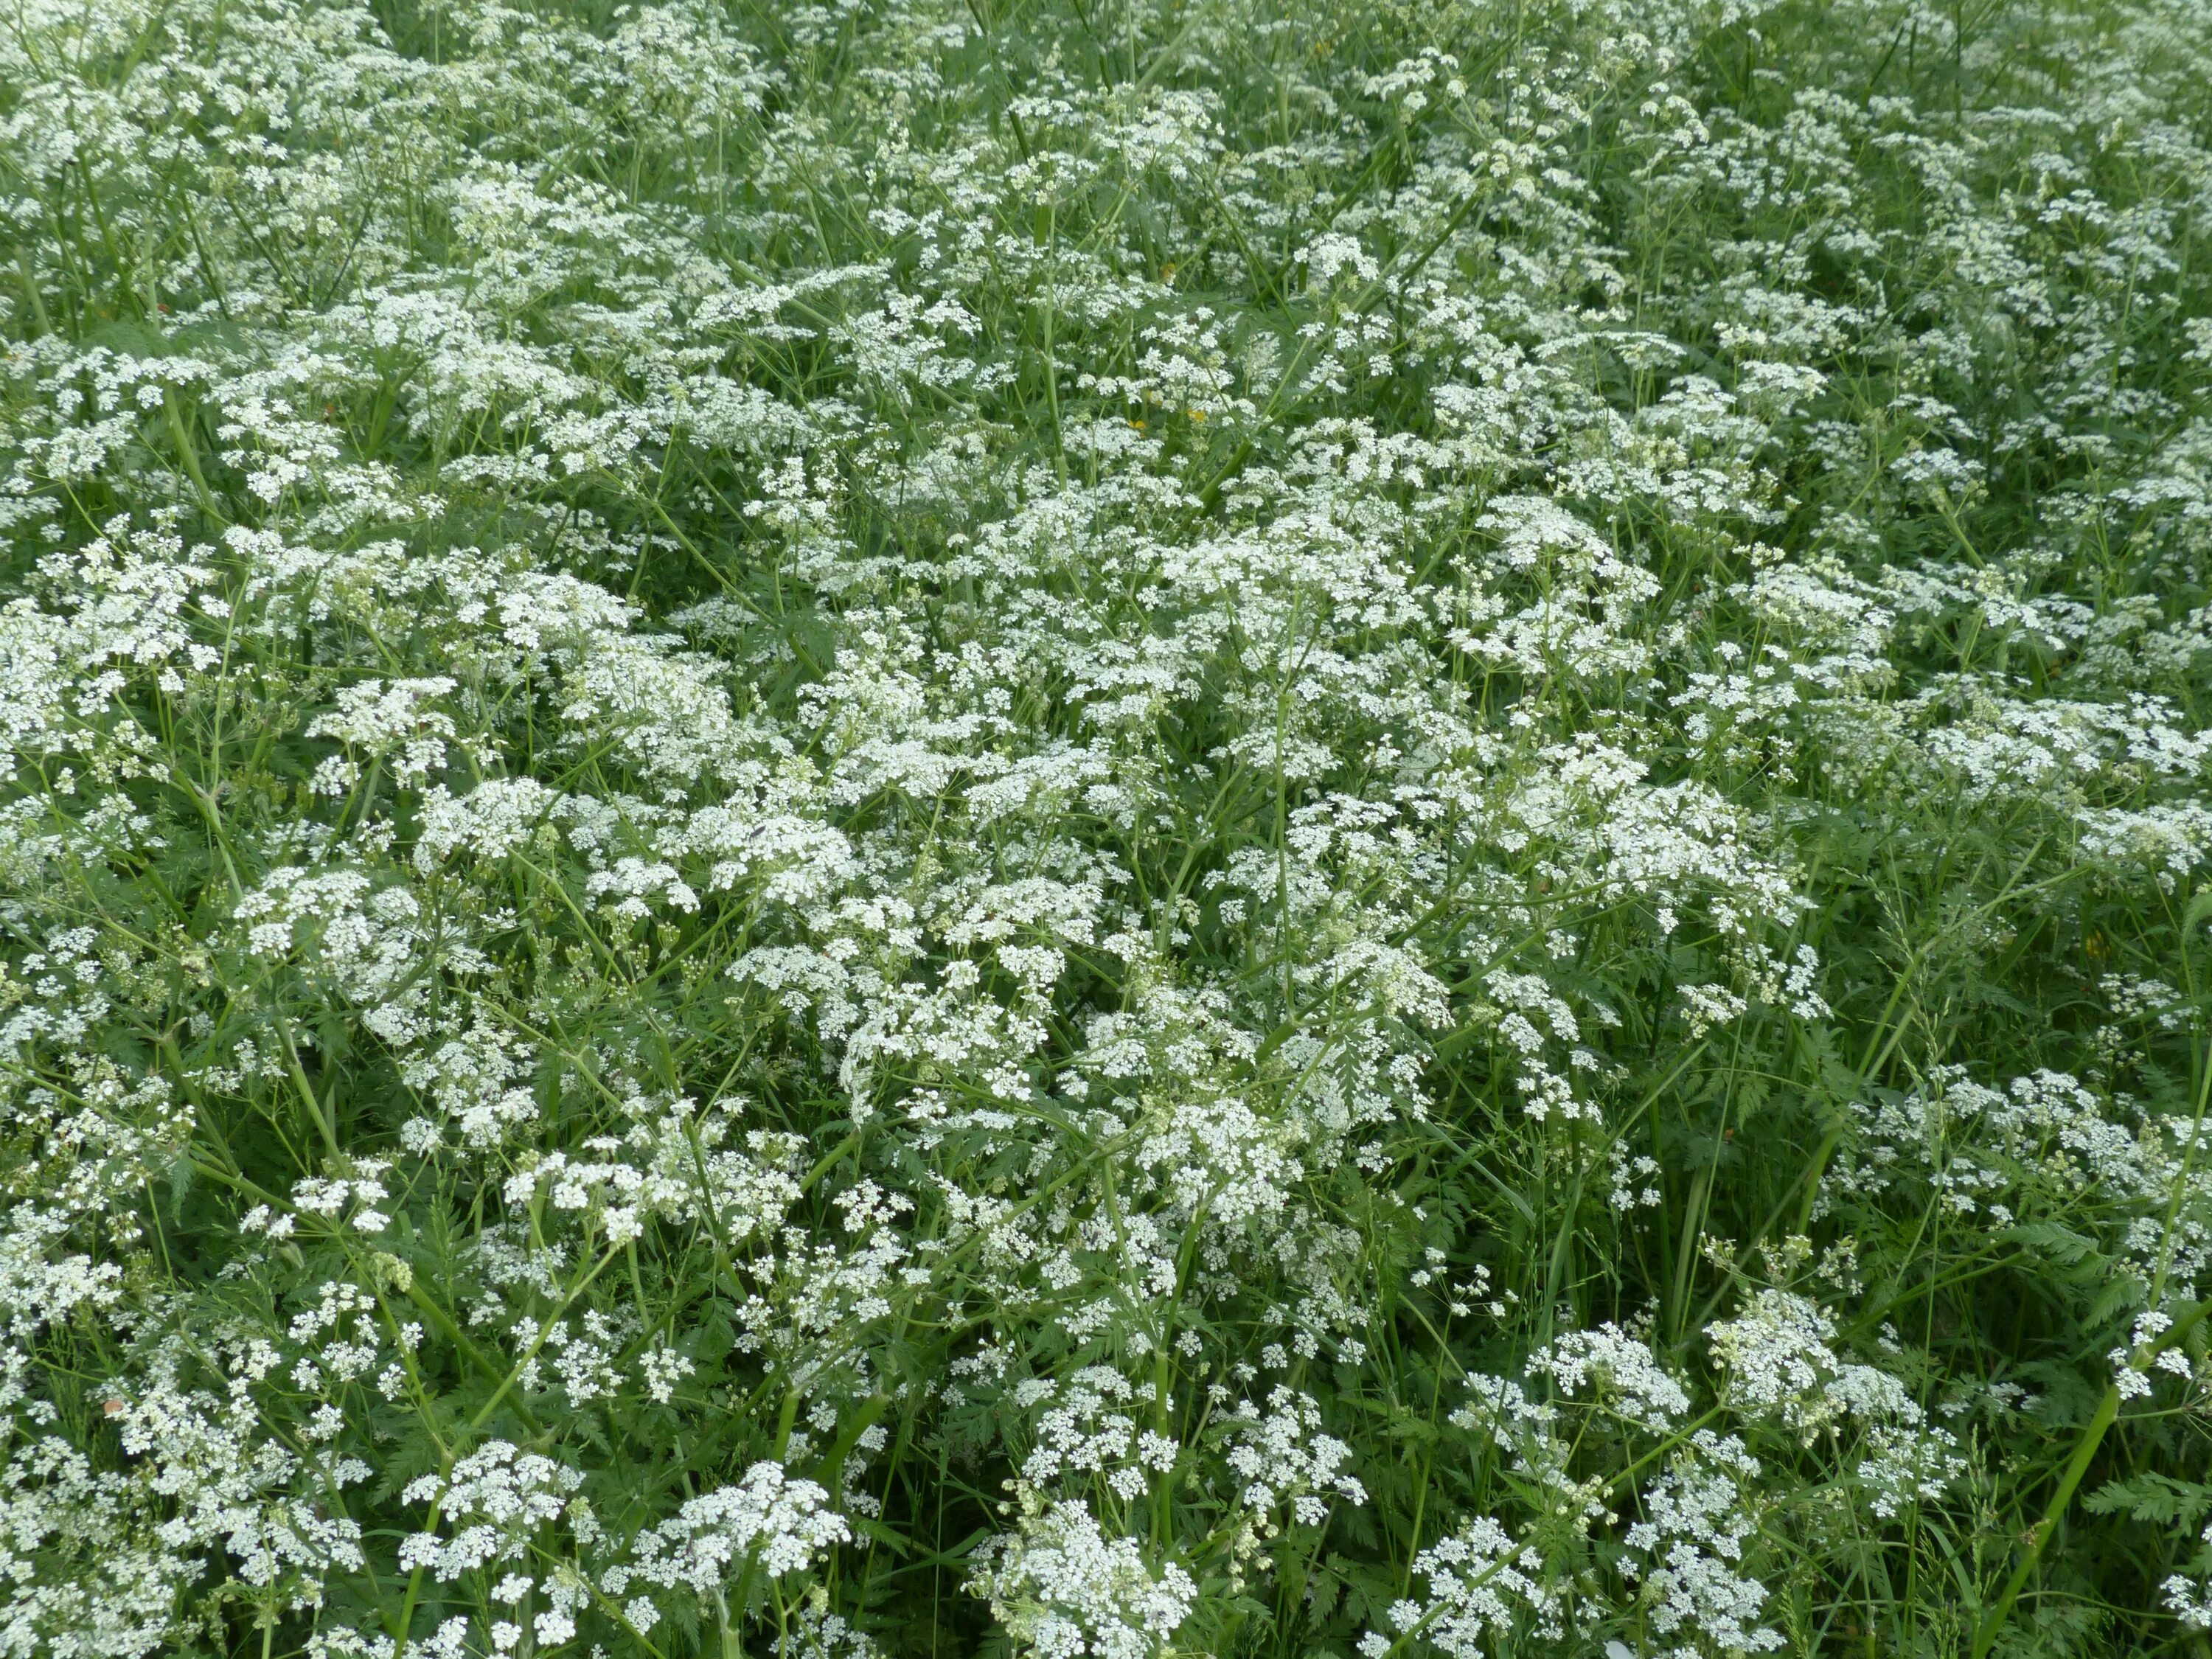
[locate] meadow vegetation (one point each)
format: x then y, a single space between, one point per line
1269 828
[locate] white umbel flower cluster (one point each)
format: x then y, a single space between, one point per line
1064 1590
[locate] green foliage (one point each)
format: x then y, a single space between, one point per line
915 828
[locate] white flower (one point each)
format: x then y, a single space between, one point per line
784 1524
1063 1587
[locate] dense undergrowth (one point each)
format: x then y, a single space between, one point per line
1105 827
